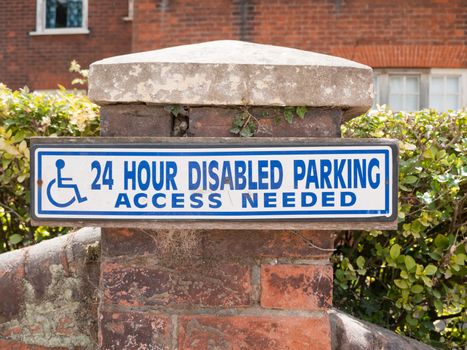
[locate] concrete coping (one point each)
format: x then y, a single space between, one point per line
226 73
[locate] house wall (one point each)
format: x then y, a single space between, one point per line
382 34
379 33
42 62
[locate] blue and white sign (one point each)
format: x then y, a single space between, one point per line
232 182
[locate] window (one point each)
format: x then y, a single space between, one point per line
61 17
444 92
411 90
404 92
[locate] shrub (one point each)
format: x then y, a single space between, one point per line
22 115
414 280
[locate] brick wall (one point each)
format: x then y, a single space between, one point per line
219 289
42 62
423 33
214 289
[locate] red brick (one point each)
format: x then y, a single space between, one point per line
134 330
358 29
254 332
303 287
219 245
148 284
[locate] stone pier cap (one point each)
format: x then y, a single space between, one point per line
233 73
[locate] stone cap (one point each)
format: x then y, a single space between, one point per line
229 73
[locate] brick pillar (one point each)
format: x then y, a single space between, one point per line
223 288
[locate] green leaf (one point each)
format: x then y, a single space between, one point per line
360 262
460 259
430 270
21 178
428 282
15 238
412 321
395 251
434 255
441 241
235 130
301 111
410 263
246 132
410 179
288 115
416 288
401 284
238 121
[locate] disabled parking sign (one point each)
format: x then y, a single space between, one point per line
156 180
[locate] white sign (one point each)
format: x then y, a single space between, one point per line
307 182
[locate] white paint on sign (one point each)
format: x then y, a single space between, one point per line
89 182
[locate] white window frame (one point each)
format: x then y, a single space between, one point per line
41 22
424 75
131 6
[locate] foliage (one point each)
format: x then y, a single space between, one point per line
245 124
414 280
22 115
75 67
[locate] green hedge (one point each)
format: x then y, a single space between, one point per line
414 280
22 115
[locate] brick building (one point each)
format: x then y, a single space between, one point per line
418 48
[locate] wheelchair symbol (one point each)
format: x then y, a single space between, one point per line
60 181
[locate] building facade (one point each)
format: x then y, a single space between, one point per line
40 38
417 48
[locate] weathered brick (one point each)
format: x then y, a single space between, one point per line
134 330
217 121
135 120
128 242
221 244
39 261
16 345
304 287
201 285
267 244
51 292
254 332
11 285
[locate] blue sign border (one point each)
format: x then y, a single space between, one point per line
209 215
